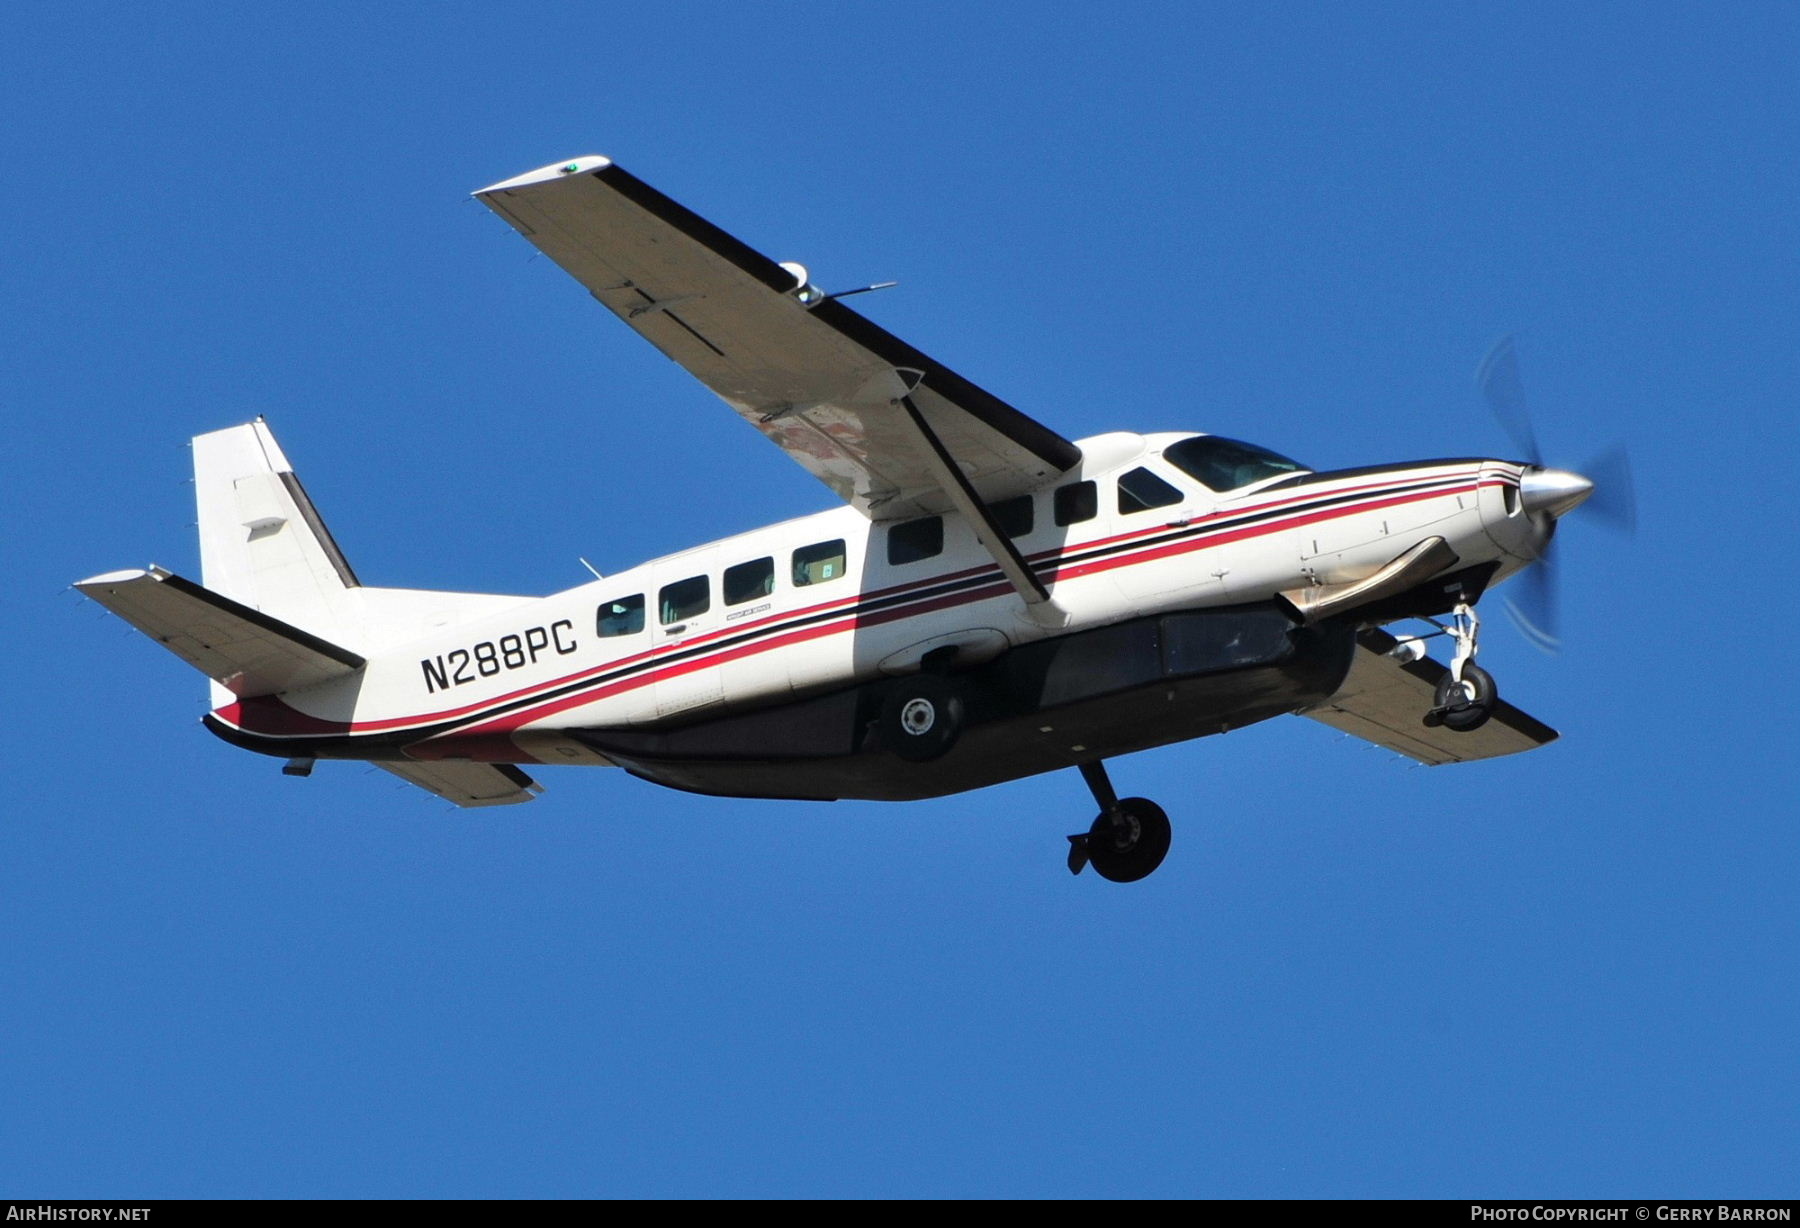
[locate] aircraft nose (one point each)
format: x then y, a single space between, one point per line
1553 492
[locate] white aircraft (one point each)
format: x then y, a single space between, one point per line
992 601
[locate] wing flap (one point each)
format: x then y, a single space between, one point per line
468 784
816 378
244 650
1383 701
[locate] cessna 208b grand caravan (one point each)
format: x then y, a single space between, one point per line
992 601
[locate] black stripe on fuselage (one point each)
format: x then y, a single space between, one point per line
921 592
1253 516
1368 471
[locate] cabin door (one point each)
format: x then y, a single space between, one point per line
684 615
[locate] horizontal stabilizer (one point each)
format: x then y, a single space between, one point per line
1384 701
244 650
466 783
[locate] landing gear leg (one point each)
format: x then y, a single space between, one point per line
1128 840
1466 695
1100 785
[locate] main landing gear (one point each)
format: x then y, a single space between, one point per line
923 715
1128 840
1466 695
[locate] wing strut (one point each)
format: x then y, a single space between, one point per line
955 485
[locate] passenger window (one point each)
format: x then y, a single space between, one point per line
1012 515
1140 490
749 581
622 617
684 599
915 540
1074 504
817 564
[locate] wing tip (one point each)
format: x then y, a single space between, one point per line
585 164
108 579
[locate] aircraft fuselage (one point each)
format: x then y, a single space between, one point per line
715 667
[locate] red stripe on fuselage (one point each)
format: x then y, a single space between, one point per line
517 720
270 716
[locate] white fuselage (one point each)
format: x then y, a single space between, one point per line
815 603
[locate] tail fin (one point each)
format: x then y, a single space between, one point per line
278 607
262 542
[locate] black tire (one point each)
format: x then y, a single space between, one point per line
922 717
1461 712
1128 844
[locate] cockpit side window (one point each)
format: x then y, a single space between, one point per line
1140 490
1226 464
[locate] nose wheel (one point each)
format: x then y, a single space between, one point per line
1127 841
1464 705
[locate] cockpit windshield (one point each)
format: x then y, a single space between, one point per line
1226 464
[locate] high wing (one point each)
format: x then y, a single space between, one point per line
468 784
1383 700
893 432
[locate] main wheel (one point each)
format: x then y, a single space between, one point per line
1130 841
922 717
1469 706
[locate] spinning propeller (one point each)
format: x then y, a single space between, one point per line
1606 490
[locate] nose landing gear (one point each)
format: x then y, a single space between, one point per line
1466 695
1128 840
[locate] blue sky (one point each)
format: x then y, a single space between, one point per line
1569 973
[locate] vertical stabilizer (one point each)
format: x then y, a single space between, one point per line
262 542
